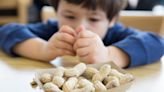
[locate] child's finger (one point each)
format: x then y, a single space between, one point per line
82 42
64 45
86 34
82 52
62 52
87 59
68 30
65 37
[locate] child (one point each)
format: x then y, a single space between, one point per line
86 28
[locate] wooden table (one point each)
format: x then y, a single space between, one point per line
17 73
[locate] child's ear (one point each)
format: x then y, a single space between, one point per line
112 22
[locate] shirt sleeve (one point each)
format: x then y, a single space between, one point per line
142 47
12 34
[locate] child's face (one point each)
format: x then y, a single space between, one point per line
74 16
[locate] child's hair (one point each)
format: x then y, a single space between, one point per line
110 7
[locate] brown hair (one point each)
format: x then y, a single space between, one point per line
110 7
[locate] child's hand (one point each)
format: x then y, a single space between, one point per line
61 43
89 47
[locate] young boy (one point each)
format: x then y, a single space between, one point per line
86 28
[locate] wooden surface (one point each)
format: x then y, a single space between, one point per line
17 73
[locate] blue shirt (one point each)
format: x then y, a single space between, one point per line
141 47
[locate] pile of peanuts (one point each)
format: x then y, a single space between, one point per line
81 78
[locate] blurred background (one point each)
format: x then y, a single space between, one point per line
142 14
21 11
25 11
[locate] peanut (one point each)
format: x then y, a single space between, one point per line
70 84
87 88
89 72
83 82
99 86
80 68
103 72
50 87
112 82
46 77
59 71
126 78
59 81
116 73
75 71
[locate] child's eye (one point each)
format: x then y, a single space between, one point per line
94 19
70 17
